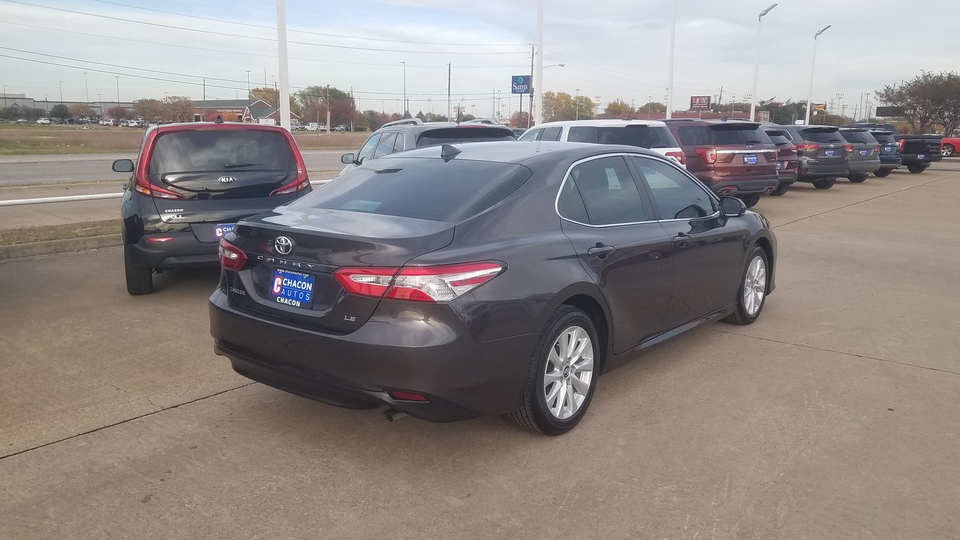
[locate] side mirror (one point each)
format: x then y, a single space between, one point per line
347 159
732 207
123 165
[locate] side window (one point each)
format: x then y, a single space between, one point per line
398 146
366 152
675 195
692 135
585 134
531 135
608 194
385 146
551 134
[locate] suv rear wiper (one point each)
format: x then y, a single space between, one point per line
238 165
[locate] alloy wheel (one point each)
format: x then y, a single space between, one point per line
754 286
568 372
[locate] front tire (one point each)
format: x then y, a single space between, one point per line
916 168
139 280
857 178
881 173
562 375
781 189
948 150
824 183
753 289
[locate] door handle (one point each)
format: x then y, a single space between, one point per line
680 240
600 250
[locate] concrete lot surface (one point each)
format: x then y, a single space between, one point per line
834 416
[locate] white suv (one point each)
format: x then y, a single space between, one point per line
650 134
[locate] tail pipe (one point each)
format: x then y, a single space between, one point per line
392 415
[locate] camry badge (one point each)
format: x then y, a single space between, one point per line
226 179
283 245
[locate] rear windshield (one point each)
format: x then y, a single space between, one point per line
420 188
821 135
723 134
778 138
884 138
642 136
434 137
220 150
858 137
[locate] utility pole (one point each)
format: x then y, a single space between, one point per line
248 85
533 52
449 112
85 86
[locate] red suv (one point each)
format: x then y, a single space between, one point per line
731 157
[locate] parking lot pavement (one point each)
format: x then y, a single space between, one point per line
834 416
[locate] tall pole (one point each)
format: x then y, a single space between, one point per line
118 91
4 96
673 43
248 85
533 54
448 90
204 101
404 115
61 92
756 66
282 56
576 100
85 86
493 104
538 77
813 64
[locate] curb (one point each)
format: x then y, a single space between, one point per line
49 247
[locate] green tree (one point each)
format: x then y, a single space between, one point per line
558 106
314 101
80 110
178 109
117 113
927 100
148 109
618 108
60 111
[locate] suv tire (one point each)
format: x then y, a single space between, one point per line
881 173
781 189
857 178
139 280
916 168
824 183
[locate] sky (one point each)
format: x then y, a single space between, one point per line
610 49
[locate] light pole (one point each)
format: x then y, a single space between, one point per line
248 85
4 96
673 42
576 101
118 90
61 92
86 87
756 66
813 64
404 115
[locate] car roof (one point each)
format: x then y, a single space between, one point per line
417 126
711 122
516 152
213 126
604 122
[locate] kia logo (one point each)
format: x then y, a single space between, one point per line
226 179
283 245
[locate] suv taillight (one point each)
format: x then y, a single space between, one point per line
900 144
419 284
679 156
808 146
849 148
144 187
876 149
300 183
231 257
709 155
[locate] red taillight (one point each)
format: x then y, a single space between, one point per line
144 187
299 184
848 148
231 257
808 146
679 156
876 149
406 396
900 144
709 155
419 284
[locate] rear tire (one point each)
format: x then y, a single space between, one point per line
563 374
781 189
750 200
139 280
824 183
881 173
857 178
753 289
948 150
916 168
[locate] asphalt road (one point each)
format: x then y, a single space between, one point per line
69 169
834 416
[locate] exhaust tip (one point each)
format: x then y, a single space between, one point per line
392 415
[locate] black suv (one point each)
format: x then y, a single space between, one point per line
414 133
864 155
889 152
189 186
822 154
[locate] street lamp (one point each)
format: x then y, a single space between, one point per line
404 115
576 100
813 64
673 45
85 86
4 96
248 85
61 92
756 66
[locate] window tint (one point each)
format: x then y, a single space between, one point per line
693 135
587 134
551 133
884 138
210 150
531 135
369 147
607 192
434 137
420 188
675 194
821 135
779 139
385 146
858 137
737 134
398 145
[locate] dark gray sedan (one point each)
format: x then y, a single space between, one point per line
486 278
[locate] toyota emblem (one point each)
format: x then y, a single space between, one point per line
226 179
283 245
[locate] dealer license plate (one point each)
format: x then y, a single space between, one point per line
222 229
292 288
779 165
887 148
863 152
921 156
750 159
829 153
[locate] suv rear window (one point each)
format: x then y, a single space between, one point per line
721 134
778 137
220 150
433 190
642 136
821 135
858 137
449 135
884 138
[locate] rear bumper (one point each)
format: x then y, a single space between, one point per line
809 172
913 159
736 185
890 162
460 376
182 250
787 177
864 167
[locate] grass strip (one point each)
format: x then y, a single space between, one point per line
27 235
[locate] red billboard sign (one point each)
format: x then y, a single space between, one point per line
700 102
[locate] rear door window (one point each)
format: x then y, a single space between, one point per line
608 194
551 133
641 136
